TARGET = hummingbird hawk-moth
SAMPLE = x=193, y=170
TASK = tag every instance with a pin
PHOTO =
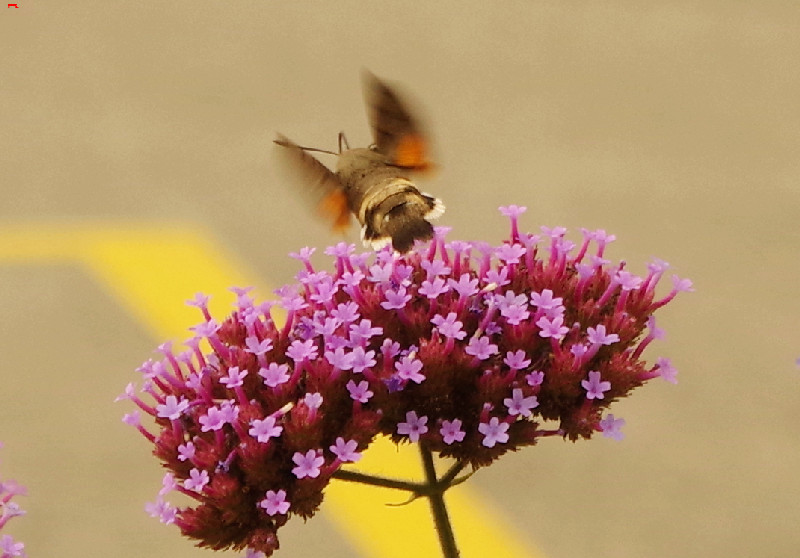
x=374, y=183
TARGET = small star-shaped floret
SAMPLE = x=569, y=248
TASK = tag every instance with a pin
x=518, y=404
x=275, y=503
x=451, y=431
x=414, y=426
x=264, y=429
x=308, y=464
x=494, y=432
x=594, y=387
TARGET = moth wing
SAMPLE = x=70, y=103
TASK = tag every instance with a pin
x=319, y=183
x=397, y=133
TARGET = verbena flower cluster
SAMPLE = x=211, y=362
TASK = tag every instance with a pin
x=468, y=348
x=9, y=548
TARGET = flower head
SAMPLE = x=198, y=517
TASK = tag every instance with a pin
x=471, y=348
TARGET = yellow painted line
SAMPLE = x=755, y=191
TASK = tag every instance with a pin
x=152, y=270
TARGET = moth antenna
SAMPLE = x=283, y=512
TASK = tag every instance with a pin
x=343, y=140
x=286, y=143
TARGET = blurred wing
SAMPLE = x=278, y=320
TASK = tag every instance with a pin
x=397, y=134
x=318, y=183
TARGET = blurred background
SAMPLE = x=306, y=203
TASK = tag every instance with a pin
x=128, y=129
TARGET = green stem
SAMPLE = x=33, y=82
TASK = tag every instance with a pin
x=354, y=476
x=452, y=473
x=433, y=489
x=441, y=520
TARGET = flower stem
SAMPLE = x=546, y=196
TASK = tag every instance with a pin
x=451, y=474
x=433, y=489
x=355, y=476
x=441, y=520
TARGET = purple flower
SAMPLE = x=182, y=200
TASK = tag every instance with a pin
x=514, y=314
x=325, y=291
x=274, y=374
x=302, y=350
x=206, y=329
x=451, y=431
x=435, y=268
x=214, y=419
x=200, y=300
x=341, y=250
x=196, y=481
x=362, y=360
x=168, y=484
x=346, y=312
x=396, y=299
x=465, y=286
x=517, y=360
x=594, y=387
x=275, y=503
x=494, y=432
x=172, y=408
x=345, y=451
x=555, y=328
x=480, y=347
x=381, y=273
x=628, y=281
x=313, y=400
x=359, y=392
x=308, y=464
x=327, y=327
x=161, y=509
x=133, y=419
x=497, y=277
x=409, y=369
x=389, y=348
x=432, y=289
x=235, y=377
x=258, y=347
x=10, y=548
x=449, y=327
x=264, y=429
x=545, y=300
x=578, y=350
x=535, y=378
x=350, y=280
x=510, y=253
x=304, y=254
x=363, y=331
x=598, y=335
x=186, y=451
x=413, y=427
x=666, y=370
x=612, y=427
x=340, y=359
x=513, y=211
x=518, y=404
x=229, y=411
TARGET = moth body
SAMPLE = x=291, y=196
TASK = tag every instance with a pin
x=374, y=184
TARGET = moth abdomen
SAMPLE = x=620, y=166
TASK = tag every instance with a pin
x=399, y=214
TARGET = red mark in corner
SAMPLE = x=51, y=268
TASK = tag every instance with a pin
x=13, y=5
